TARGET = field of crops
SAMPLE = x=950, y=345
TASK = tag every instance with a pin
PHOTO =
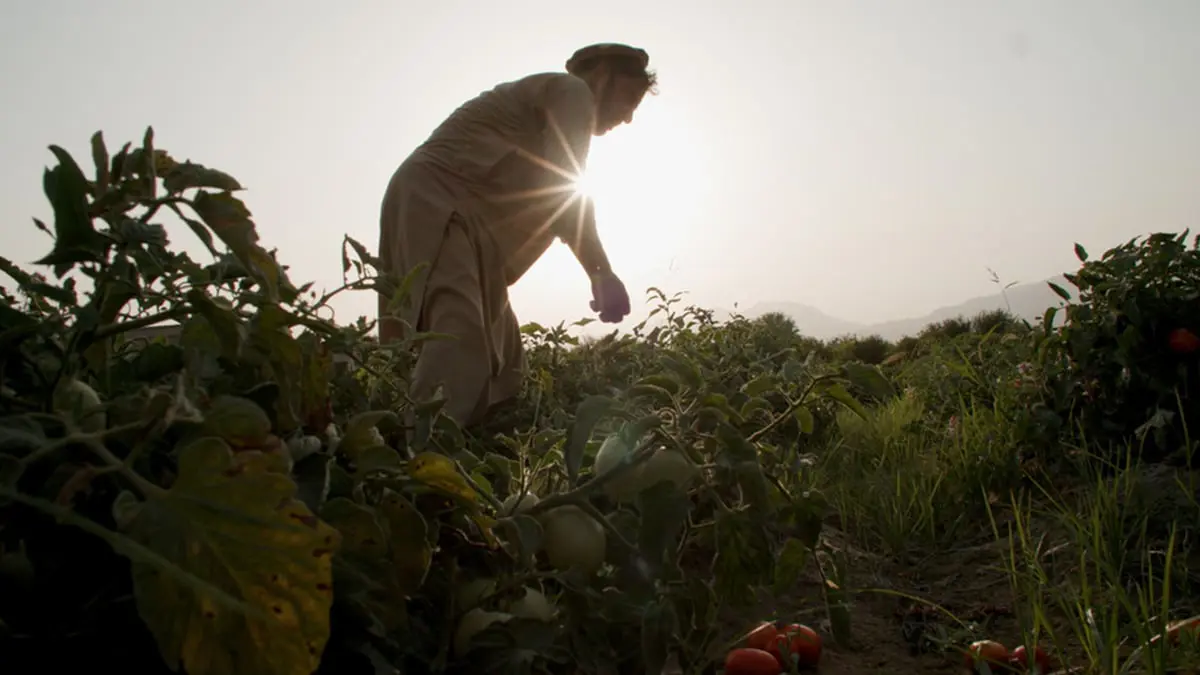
x=257, y=495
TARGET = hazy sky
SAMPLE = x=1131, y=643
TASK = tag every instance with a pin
x=868, y=157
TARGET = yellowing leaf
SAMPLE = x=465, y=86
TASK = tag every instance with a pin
x=238, y=527
x=441, y=473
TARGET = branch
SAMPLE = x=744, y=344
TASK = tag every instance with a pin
x=109, y=330
x=579, y=496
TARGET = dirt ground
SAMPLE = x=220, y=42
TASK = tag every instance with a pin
x=888, y=628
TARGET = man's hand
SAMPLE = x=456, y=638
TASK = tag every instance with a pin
x=609, y=298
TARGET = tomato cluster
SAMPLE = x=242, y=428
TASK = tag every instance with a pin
x=773, y=648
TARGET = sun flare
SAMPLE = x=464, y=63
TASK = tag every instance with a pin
x=648, y=182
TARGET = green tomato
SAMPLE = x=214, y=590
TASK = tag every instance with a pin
x=473, y=623
x=612, y=452
x=533, y=605
x=573, y=540
x=512, y=505
x=79, y=402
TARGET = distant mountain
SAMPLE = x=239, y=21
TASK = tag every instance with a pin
x=1026, y=301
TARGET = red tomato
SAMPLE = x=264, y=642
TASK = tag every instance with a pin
x=747, y=661
x=802, y=642
x=1183, y=341
x=1019, y=659
x=763, y=637
x=986, y=651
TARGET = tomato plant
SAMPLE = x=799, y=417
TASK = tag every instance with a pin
x=1115, y=360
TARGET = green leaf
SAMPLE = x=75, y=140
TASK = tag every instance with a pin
x=147, y=168
x=734, y=445
x=223, y=320
x=759, y=385
x=589, y=412
x=753, y=483
x=790, y=566
x=1081, y=253
x=838, y=393
x=870, y=379
x=804, y=419
x=409, y=541
x=11, y=469
x=526, y=532
x=75, y=238
x=311, y=474
x=665, y=510
x=239, y=421
x=837, y=602
x=688, y=372
x=188, y=175
x=658, y=631
x=100, y=158
x=377, y=458
x=365, y=576
x=661, y=381
x=229, y=219
x=362, y=533
x=633, y=432
x=754, y=405
x=1062, y=292
x=240, y=528
x=361, y=433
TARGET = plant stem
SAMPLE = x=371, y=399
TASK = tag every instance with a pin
x=112, y=329
x=144, y=486
x=607, y=525
x=792, y=407
x=579, y=495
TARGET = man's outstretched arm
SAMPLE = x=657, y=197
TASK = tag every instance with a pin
x=578, y=232
x=570, y=109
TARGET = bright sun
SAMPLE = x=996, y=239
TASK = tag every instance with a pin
x=647, y=179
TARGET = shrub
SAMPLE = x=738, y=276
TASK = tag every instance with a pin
x=1122, y=365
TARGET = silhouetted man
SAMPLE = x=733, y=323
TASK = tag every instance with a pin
x=482, y=199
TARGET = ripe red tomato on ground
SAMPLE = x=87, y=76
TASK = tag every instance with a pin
x=803, y=643
x=1019, y=659
x=762, y=637
x=986, y=651
x=1183, y=341
x=749, y=661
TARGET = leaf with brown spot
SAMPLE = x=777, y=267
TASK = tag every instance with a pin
x=240, y=528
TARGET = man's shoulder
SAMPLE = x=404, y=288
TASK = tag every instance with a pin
x=538, y=85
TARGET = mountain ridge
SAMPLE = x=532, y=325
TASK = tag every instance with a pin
x=1027, y=301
